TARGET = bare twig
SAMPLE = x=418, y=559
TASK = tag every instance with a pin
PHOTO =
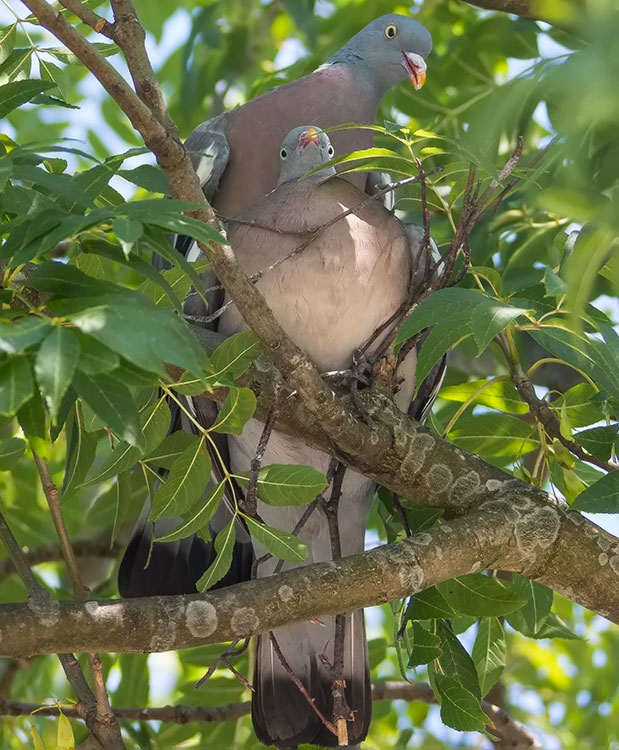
x=223, y=657
x=251, y=498
x=541, y=410
x=89, y=17
x=505, y=728
x=329, y=725
x=53, y=553
x=53, y=501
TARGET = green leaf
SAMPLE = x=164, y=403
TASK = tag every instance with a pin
x=532, y=616
x=492, y=276
x=489, y=319
x=133, y=687
x=456, y=662
x=154, y=421
x=37, y=740
x=60, y=185
x=494, y=435
x=278, y=543
x=144, y=334
x=224, y=546
x=17, y=336
x=170, y=449
x=62, y=279
x=454, y=314
x=429, y=604
x=81, y=448
x=234, y=356
x=16, y=385
x=112, y=402
x=239, y=406
x=480, y=595
x=198, y=517
x=7, y=41
x=32, y=419
x=95, y=358
x=489, y=652
x=498, y=394
x=287, y=484
x=55, y=365
x=426, y=646
x=460, y=709
x=122, y=494
x=601, y=497
x=147, y=176
x=64, y=734
x=599, y=441
x=16, y=93
x=127, y=231
x=554, y=627
x=11, y=450
x=187, y=480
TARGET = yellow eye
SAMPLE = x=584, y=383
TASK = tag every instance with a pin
x=391, y=31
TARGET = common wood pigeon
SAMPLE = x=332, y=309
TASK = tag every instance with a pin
x=329, y=299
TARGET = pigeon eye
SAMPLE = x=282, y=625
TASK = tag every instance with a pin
x=330, y=151
x=391, y=31
x=283, y=153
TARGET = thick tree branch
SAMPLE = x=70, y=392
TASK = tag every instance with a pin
x=506, y=729
x=557, y=14
x=509, y=532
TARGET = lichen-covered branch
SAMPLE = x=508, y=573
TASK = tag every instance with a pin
x=561, y=13
x=506, y=729
x=508, y=532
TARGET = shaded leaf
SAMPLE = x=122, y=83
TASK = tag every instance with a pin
x=426, y=646
x=81, y=448
x=55, y=365
x=278, y=543
x=287, y=484
x=429, y=604
x=11, y=450
x=456, y=662
x=16, y=385
x=239, y=406
x=224, y=546
x=198, y=517
x=478, y=594
x=460, y=709
x=187, y=480
x=489, y=652
x=16, y=93
x=112, y=402
x=601, y=497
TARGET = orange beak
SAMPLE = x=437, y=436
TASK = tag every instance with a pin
x=311, y=135
x=416, y=68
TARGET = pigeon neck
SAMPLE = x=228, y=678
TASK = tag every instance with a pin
x=373, y=79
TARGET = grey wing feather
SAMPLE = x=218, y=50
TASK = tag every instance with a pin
x=209, y=151
x=376, y=181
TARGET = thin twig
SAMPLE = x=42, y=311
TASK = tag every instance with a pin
x=505, y=727
x=89, y=17
x=541, y=410
x=53, y=501
x=229, y=651
x=312, y=702
x=251, y=497
x=52, y=553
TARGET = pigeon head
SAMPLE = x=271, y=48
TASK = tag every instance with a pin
x=390, y=48
x=304, y=149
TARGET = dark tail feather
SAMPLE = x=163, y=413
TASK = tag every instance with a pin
x=281, y=714
x=175, y=567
